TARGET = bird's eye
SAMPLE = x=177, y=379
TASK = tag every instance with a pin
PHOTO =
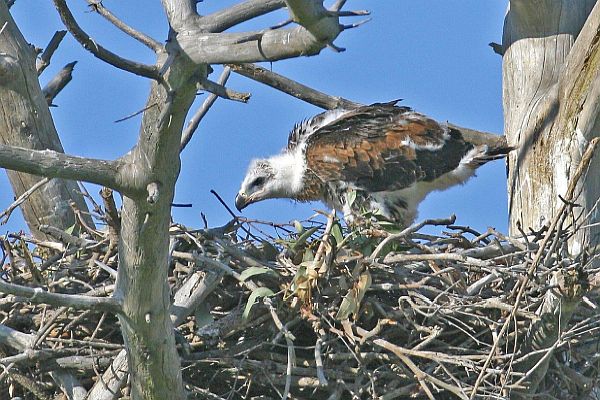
x=258, y=181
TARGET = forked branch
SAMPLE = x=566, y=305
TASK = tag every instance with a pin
x=148, y=71
x=144, y=39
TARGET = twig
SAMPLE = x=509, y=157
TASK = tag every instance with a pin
x=419, y=374
x=148, y=71
x=5, y=215
x=111, y=215
x=581, y=168
x=319, y=363
x=146, y=40
x=125, y=118
x=192, y=126
x=291, y=87
x=411, y=229
x=220, y=199
x=222, y=91
x=402, y=258
x=289, y=339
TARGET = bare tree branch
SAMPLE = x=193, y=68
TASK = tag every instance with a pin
x=222, y=91
x=292, y=87
x=28, y=124
x=319, y=28
x=193, y=123
x=44, y=60
x=5, y=215
x=22, y=341
x=312, y=16
x=113, y=379
x=58, y=83
x=40, y=296
x=15, y=339
x=148, y=71
x=53, y=164
x=146, y=40
x=231, y=16
x=181, y=14
x=270, y=45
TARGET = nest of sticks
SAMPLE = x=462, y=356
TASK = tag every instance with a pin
x=314, y=309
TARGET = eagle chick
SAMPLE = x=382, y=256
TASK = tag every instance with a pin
x=381, y=158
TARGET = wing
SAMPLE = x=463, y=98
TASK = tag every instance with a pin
x=383, y=147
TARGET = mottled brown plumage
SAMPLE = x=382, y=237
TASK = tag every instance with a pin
x=388, y=157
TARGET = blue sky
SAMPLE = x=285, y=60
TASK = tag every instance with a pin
x=433, y=54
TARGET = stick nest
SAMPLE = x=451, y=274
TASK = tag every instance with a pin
x=314, y=309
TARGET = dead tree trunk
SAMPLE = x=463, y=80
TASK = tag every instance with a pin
x=551, y=72
x=146, y=176
x=551, y=107
x=25, y=121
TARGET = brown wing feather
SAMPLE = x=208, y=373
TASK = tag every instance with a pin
x=383, y=147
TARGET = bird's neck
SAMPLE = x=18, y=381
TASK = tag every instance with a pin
x=289, y=169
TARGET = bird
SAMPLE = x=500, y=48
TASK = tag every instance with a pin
x=379, y=160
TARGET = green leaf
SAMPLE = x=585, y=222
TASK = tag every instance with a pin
x=351, y=302
x=249, y=272
x=336, y=232
x=350, y=197
x=298, y=226
x=70, y=229
x=349, y=306
x=308, y=255
x=256, y=293
x=303, y=238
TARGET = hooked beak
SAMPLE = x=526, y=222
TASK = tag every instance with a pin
x=241, y=201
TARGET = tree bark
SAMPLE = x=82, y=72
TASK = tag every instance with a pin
x=153, y=168
x=551, y=94
x=551, y=107
x=25, y=121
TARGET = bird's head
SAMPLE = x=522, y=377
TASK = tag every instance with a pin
x=276, y=177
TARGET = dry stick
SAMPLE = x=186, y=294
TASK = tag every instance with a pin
x=420, y=374
x=398, y=258
x=222, y=91
x=583, y=165
x=202, y=111
x=292, y=87
x=48, y=52
x=148, y=71
x=324, y=239
x=58, y=83
x=125, y=118
x=144, y=39
x=233, y=214
x=289, y=337
x=39, y=296
x=5, y=215
x=319, y=363
x=411, y=229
